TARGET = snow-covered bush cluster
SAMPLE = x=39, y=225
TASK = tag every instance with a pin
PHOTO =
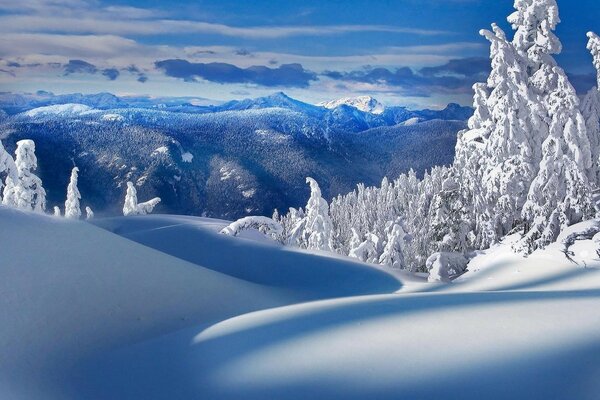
x=527, y=164
x=131, y=205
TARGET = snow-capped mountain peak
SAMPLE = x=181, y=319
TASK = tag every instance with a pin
x=362, y=103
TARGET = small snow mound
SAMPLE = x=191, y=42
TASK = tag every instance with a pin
x=444, y=266
x=362, y=103
x=187, y=157
x=58, y=109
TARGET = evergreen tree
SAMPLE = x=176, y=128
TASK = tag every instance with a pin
x=25, y=191
x=7, y=165
x=318, y=229
x=72, y=208
x=590, y=109
x=393, y=252
x=89, y=214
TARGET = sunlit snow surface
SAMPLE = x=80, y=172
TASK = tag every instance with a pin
x=163, y=307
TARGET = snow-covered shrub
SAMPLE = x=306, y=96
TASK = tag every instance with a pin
x=131, y=205
x=72, y=208
x=89, y=214
x=581, y=231
x=265, y=225
x=57, y=211
x=445, y=266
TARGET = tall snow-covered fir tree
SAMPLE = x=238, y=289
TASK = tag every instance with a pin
x=560, y=194
x=25, y=191
x=318, y=228
x=590, y=109
x=72, y=207
x=7, y=166
x=507, y=170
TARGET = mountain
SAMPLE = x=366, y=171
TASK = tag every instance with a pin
x=363, y=103
x=227, y=161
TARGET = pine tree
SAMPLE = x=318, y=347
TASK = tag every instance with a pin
x=393, y=252
x=7, y=165
x=508, y=150
x=25, y=191
x=590, y=109
x=318, y=228
x=560, y=194
x=89, y=214
x=72, y=208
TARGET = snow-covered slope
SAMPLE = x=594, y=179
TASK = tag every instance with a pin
x=512, y=328
x=70, y=291
x=363, y=103
x=88, y=313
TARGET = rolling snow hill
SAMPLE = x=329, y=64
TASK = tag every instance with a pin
x=240, y=158
x=71, y=291
x=187, y=313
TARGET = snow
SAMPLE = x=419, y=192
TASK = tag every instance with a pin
x=411, y=121
x=82, y=292
x=163, y=307
x=160, y=150
x=112, y=117
x=363, y=103
x=186, y=156
x=66, y=109
x=249, y=193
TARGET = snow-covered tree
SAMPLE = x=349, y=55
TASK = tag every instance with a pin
x=393, y=252
x=72, y=208
x=560, y=194
x=89, y=214
x=7, y=165
x=448, y=229
x=131, y=205
x=25, y=191
x=594, y=47
x=57, y=211
x=318, y=228
x=534, y=22
x=366, y=250
x=590, y=109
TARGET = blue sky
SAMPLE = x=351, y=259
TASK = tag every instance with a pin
x=409, y=52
